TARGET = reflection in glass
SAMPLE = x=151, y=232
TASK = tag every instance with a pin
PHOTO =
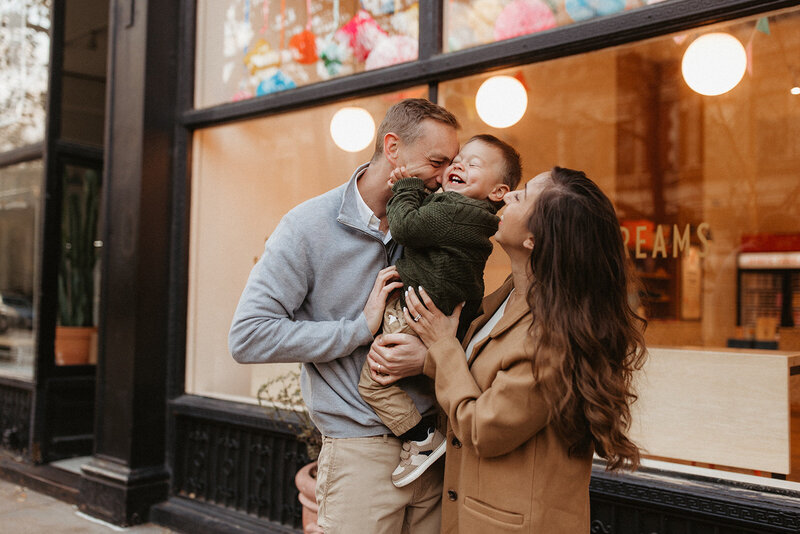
x=25, y=53
x=20, y=187
x=249, y=48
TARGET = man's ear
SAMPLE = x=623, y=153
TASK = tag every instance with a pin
x=499, y=192
x=528, y=243
x=391, y=147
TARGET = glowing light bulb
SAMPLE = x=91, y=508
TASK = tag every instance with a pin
x=352, y=129
x=714, y=63
x=501, y=101
x=795, y=90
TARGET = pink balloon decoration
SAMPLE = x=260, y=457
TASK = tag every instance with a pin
x=391, y=51
x=522, y=17
x=362, y=33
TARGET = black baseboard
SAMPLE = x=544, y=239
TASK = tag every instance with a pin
x=197, y=517
x=57, y=483
x=121, y=495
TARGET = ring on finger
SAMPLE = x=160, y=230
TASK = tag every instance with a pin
x=379, y=368
x=416, y=319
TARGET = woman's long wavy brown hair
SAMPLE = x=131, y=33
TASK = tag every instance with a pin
x=588, y=338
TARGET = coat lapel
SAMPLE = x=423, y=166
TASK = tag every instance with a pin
x=491, y=303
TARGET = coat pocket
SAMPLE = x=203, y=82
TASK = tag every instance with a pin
x=490, y=512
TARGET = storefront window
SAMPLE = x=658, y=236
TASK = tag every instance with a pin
x=20, y=187
x=249, y=48
x=246, y=176
x=469, y=24
x=24, y=60
x=708, y=196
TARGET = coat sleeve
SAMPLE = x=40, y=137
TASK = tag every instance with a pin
x=494, y=421
x=264, y=328
x=412, y=221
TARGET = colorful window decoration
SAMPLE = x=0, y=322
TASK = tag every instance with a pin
x=473, y=23
x=251, y=48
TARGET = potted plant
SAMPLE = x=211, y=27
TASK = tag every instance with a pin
x=282, y=397
x=79, y=212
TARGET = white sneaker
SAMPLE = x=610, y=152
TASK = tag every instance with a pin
x=417, y=456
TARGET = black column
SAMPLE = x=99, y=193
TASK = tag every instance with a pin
x=127, y=473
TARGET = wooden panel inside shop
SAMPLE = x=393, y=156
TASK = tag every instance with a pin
x=730, y=409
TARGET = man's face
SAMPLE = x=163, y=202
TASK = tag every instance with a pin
x=429, y=155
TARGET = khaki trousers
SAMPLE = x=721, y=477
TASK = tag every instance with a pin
x=390, y=403
x=355, y=493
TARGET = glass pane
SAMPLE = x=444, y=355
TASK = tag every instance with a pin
x=707, y=192
x=25, y=53
x=79, y=267
x=248, y=48
x=246, y=176
x=468, y=24
x=20, y=193
x=84, y=76
x=694, y=178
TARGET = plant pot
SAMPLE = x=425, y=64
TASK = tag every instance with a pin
x=73, y=344
x=306, y=482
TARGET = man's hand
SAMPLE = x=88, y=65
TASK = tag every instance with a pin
x=376, y=302
x=395, y=356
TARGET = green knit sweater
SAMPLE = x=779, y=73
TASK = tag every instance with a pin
x=446, y=243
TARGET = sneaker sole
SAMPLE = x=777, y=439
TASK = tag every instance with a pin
x=413, y=475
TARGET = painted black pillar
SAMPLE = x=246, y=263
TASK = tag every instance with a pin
x=128, y=474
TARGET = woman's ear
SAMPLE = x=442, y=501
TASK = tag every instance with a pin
x=528, y=243
x=498, y=192
x=391, y=148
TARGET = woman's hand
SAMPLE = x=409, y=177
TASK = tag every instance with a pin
x=395, y=356
x=376, y=303
x=427, y=320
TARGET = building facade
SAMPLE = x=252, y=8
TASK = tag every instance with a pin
x=149, y=149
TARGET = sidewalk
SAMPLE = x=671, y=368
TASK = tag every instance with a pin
x=26, y=512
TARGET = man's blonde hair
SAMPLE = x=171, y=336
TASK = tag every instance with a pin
x=404, y=120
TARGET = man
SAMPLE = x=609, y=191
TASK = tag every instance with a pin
x=305, y=302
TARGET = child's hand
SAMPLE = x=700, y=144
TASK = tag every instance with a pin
x=398, y=173
x=384, y=285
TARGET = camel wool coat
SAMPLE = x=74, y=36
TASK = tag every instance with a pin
x=505, y=468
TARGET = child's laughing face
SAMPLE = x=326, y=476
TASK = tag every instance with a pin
x=476, y=171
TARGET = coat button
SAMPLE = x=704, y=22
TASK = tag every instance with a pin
x=452, y=495
x=456, y=443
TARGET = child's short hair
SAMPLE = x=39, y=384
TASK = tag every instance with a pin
x=512, y=173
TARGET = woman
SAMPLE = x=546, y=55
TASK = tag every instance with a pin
x=545, y=379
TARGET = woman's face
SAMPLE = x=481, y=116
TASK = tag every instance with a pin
x=513, y=230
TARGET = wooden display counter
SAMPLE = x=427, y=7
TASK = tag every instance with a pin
x=726, y=407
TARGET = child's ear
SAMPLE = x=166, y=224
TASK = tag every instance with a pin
x=391, y=146
x=528, y=243
x=499, y=192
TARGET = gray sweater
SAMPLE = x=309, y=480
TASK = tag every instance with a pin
x=304, y=302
